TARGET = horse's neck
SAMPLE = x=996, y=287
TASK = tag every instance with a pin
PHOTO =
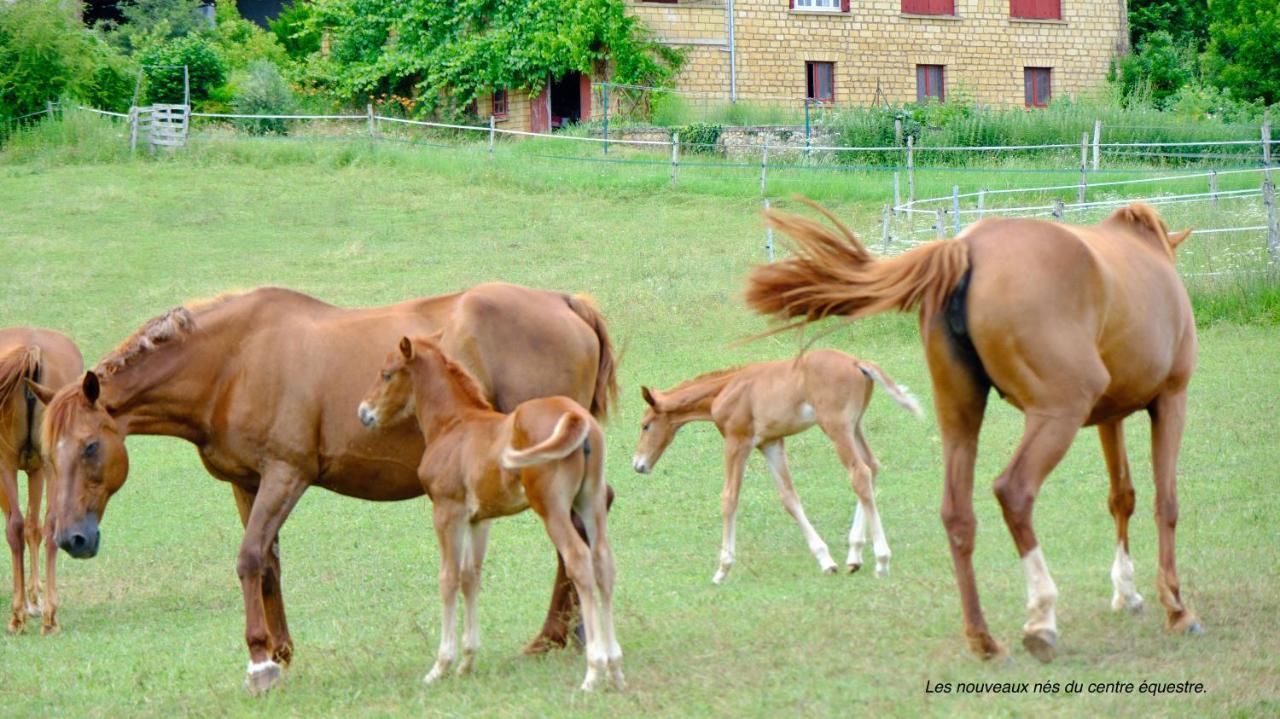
x=693, y=402
x=442, y=404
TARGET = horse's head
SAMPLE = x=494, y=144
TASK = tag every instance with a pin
x=657, y=429
x=1145, y=221
x=391, y=396
x=85, y=448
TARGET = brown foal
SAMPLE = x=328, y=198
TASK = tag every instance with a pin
x=755, y=407
x=29, y=354
x=481, y=464
x=1072, y=325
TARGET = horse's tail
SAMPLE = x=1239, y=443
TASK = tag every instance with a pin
x=898, y=392
x=569, y=434
x=605, y=394
x=831, y=273
x=20, y=363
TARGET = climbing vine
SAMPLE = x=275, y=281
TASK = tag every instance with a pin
x=444, y=53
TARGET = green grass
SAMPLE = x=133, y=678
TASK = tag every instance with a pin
x=154, y=625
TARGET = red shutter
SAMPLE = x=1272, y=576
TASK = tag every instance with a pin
x=844, y=5
x=1036, y=9
x=791, y=4
x=584, y=98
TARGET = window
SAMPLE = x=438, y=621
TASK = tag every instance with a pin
x=1039, y=87
x=499, y=103
x=820, y=81
x=1036, y=9
x=930, y=7
x=929, y=83
x=820, y=5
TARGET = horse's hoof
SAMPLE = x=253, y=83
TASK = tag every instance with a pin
x=543, y=643
x=1041, y=644
x=1134, y=604
x=18, y=623
x=49, y=630
x=882, y=572
x=262, y=677
x=829, y=569
x=283, y=655
x=986, y=648
x=853, y=567
x=1186, y=624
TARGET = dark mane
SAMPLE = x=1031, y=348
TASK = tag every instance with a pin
x=177, y=322
x=457, y=375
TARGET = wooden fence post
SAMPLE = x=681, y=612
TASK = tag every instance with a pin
x=1273, y=223
x=1058, y=210
x=897, y=192
x=982, y=202
x=368, y=108
x=764, y=168
x=884, y=231
x=1213, y=186
x=492, y=134
x=675, y=157
x=1097, y=142
x=897, y=132
x=940, y=224
x=1084, y=168
x=911, y=170
x=768, y=233
x=955, y=209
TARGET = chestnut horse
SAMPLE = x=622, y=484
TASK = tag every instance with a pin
x=1075, y=326
x=39, y=355
x=758, y=405
x=225, y=376
x=481, y=464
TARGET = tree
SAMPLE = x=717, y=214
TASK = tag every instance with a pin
x=1186, y=21
x=1244, y=48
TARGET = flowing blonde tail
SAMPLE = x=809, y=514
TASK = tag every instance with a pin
x=831, y=273
x=569, y=434
x=898, y=392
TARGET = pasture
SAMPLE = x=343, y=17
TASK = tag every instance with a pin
x=154, y=625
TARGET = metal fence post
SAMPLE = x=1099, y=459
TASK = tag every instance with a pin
x=768, y=233
x=955, y=209
x=911, y=170
x=884, y=231
x=604, y=100
x=764, y=168
x=675, y=157
x=1084, y=168
x=1097, y=142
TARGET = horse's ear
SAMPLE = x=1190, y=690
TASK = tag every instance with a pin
x=406, y=347
x=39, y=391
x=1176, y=238
x=648, y=397
x=91, y=387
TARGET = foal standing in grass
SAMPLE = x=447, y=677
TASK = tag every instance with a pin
x=480, y=464
x=756, y=406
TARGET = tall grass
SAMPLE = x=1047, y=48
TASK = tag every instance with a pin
x=1239, y=299
x=71, y=137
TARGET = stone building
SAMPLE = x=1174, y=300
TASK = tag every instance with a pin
x=1009, y=52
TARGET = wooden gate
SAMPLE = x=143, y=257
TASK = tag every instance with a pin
x=160, y=125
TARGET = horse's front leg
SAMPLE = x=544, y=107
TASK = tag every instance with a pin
x=1168, y=417
x=472, y=565
x=776, y=455
x=13, y=533
x=272, y=598
x=450, y=520
x=736, y=451
x=34, y=535
x=279, y=489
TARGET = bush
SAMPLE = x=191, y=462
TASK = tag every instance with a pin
x=1157, y=70
x=148, y=23
x=204, y=65
x=294, y=30
x=240, y=42
x=263, y=91
x=46, y=53
x=71, y=137
x=700, y=137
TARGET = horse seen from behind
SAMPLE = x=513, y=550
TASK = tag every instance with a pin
x=481, y=464
x=756, y=407
x=1073, y=325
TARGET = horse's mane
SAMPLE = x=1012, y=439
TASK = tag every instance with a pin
x=158, y=331
x=60, y=412
x=706, y=377
x=712, y=381
x=457, y=375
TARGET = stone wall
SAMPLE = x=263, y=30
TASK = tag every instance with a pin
x=983, y=49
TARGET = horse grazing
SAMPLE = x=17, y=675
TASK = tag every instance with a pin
x=481, y=464
x=225, y=376
x=38, y=355
x=758, y=405
x=1075, y=326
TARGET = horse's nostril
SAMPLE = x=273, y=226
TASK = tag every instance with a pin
x=78, y=541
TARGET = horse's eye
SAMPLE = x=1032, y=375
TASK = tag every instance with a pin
x=386, y=376
x=91, y=449
x=644, y=427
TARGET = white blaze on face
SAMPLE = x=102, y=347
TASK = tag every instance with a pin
x=1042, y=594
x=1126, y=592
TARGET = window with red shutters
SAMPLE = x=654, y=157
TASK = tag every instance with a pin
x=820, y=81
x=1036, y=9
x=500, y=103
x=929, y=7
x=930, y=83
x=1039, y=87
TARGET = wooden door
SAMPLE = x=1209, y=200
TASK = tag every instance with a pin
x=540, y=111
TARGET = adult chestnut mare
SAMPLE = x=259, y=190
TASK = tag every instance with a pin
x=29, y=353
x=225, y=375
x=1075, y=326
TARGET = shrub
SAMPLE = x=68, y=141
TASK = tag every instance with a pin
x=700, y=137
x=204, y=65
x=240, y=42
x=1157, y=70
x=148, y=23
x=263, y=91
x=44, y=54
x=294, y=31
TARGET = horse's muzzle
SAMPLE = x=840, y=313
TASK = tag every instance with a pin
x=80, y=540
x=640, y=465
x=367, y=416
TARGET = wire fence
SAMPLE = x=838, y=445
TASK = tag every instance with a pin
x=1237, y=201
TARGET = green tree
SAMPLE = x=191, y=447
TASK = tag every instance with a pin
x=205, y=69
x=148, y=23
x=1157, y=69
x=449, y=52
x=1244, y=48
x=1186, y=21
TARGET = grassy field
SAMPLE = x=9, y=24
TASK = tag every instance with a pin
x=154, y=625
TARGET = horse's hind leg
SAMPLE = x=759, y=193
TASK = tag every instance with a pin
x=858, y=529
x=472, y=563
x=840, y=431
x=776, y=455
x=451, y=533
x=1121, y=503
x=591, y=508
x=34, y=535
x=1045, y=440
x=13, y=532
x=578, y=565
x=1168, y=416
